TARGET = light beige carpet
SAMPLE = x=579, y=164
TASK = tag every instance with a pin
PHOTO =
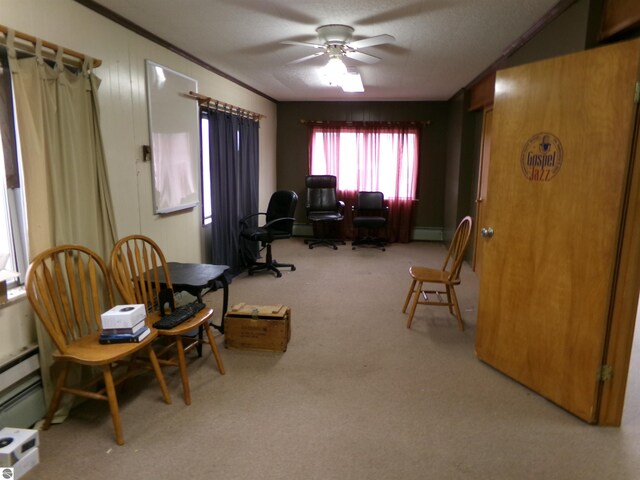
x=356, y=395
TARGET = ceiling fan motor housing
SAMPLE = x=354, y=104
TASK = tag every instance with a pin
x=334, y=34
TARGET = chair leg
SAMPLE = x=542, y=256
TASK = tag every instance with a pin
x=415, y=304
x=159, y=376
x=406, y=302
x=182, y=363
x=214, y=349
x=457, y=309
x=270, y=264
x=323, y=241
x=113, y=403
x=450, y=299
x=57, y=396
x=323, y=235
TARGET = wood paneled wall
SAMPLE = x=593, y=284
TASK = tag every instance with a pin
x=619, y=16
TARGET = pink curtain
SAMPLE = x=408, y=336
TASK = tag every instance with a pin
x=370, y=157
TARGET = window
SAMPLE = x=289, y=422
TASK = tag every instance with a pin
x=13, y=251
x=380, y=158
x=206, y=170
x=370, y=156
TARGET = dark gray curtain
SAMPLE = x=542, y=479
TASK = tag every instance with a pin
x=233, y=144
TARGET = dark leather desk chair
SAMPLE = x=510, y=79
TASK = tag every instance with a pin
x=279, y=225
x=323, y=209
x=369, y=214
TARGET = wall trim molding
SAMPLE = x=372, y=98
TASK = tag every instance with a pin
x=429, y=234
x=128, y=24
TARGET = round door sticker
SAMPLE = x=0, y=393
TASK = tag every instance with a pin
x=541, y=157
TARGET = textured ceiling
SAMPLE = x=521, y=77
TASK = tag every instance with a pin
x=441, y=45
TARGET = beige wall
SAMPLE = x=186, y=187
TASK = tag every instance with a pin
x=124, y=118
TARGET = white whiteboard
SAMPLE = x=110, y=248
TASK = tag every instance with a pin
x=175, y=139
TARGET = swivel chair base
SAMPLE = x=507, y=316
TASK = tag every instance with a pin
x=270, y=264
x=369, y=241
x=312, y=242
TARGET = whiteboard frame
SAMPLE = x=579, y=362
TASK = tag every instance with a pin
x=174, y=135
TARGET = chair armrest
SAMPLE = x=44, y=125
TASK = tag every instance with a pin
x=276, y=220
x=340, y=206
x=243, y=220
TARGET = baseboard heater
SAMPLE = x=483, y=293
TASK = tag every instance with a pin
x=21, y=393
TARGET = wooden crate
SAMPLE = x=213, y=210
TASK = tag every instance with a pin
x=258, y=327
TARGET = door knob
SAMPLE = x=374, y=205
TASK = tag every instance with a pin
x=487, y=232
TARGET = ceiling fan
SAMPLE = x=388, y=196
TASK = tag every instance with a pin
x=336, y=43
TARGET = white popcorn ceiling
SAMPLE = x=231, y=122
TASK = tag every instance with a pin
x=441, y=45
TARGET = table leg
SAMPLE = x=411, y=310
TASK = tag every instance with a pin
x=225, y=303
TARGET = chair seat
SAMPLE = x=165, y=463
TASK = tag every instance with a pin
x=369, y=222
x=325, y=217
x=257, y=234
x=89, y=351
x=426, y=274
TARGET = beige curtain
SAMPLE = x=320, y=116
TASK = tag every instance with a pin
x=65, y=180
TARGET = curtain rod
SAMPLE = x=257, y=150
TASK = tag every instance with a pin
x=80, y=57
x=366, y=122
x=226, y=107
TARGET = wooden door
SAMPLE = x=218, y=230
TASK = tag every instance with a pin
x=483, y=179
x=560, y=159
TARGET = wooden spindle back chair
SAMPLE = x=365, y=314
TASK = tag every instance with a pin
x=136, y=263
x=69, y=288
x=448, y=276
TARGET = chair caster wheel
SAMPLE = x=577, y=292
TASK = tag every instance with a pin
x=293, y=269
x=310, y=247
x=384, y=249
x=353, y=248
x=335, y=248
x=278, y=275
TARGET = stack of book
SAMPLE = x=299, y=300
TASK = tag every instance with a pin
x=137, y=333
x=124, y=324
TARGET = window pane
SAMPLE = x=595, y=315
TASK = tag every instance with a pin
x=7, y=257
x=362, y=160
x=206, y=171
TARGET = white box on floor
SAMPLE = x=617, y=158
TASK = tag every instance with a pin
x=26, y=463
x=15, y=444
x=123, y=316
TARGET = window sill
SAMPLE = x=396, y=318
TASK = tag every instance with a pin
x=14, y=295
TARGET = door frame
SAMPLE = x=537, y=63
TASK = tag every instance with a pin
x=483, y=178
x=624, y=305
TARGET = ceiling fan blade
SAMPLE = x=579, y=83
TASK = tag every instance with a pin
x=363, y=57
x=372, y=41
x=303, y=44
x=304, y=59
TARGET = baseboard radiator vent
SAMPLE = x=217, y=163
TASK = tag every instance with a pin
x=21, y=393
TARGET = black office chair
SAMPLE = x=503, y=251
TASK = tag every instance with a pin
x=279, y=225
x=369, y=214
x=323, y=209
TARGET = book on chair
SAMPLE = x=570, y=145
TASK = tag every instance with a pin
x=107, y=337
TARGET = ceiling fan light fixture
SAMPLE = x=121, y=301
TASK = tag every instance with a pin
x=352, y=82
x=334, y=70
